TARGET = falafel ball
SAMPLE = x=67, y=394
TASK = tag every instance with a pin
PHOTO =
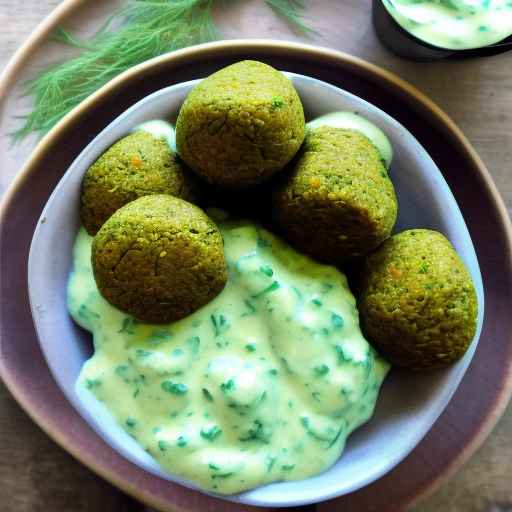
x=418, y=303
x=135, y=166
x=338, y=202
x=240, y=125
x=159, y=258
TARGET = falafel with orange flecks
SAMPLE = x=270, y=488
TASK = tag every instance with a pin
x=137, y=165
x=159, y=258
x=417, y=301
x=337, y=202
x=240, y=125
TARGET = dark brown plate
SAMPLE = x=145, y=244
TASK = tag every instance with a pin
x=486, y=387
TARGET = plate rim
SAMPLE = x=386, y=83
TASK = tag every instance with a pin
x=276, y=48
x=245, y=497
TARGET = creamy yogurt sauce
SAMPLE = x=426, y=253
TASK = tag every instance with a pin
x=352, y=121
x=263, y=384
x=161, y=129
x=454, y=24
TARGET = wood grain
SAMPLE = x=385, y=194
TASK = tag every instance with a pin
x=36, y=475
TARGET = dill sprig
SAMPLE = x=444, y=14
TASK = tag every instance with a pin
x=143, y=29
x=292, y=11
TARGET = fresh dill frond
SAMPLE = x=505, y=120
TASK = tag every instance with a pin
x=143, y=29
x=147, y=28
x=292, y=11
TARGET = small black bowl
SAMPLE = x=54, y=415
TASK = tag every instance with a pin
x=404, y=44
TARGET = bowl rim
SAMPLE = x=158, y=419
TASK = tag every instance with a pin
x=274, y=47
x=78, y=167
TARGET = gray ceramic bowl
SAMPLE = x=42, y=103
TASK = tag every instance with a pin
x=409, y=404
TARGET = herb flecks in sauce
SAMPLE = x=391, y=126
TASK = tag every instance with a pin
x=292, y=378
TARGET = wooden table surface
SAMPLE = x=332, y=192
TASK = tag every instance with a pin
x=36, y=475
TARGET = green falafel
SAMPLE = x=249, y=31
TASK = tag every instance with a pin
x=337, y=203
x=159, y=258
x=240, y=125
x=418, y=303
x=135, y=166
